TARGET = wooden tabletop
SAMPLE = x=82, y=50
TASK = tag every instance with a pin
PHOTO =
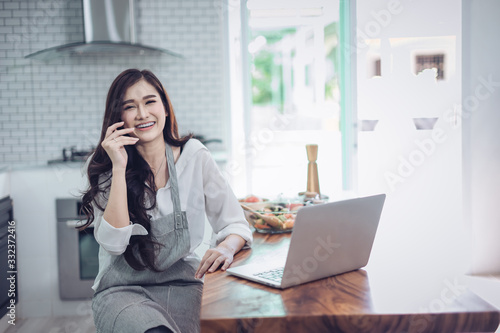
x=378, y=298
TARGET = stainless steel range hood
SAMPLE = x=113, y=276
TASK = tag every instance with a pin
x=109, y=30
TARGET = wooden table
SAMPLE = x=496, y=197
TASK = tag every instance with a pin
x=378, y=298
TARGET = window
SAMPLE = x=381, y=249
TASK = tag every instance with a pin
x=293, y=55
x=433, y=61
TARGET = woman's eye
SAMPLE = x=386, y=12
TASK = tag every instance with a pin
x=150, y=102
x=128, y=107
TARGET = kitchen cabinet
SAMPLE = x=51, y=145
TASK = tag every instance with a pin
x=8, y=281
x=34, y=191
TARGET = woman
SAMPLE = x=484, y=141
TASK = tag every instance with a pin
x=149, y=192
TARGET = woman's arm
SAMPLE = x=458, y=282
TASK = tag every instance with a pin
x=116, y=211
x=114, y=237
x=225, y=216
x=223, y=255
x=112, y=227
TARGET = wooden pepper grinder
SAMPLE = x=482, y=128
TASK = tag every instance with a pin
x=312, y=169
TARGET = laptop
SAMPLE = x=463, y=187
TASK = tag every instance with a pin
x=327, y=240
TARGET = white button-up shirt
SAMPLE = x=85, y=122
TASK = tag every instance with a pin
x=204, y=193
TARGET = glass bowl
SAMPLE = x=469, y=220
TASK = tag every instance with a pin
x=272, y=217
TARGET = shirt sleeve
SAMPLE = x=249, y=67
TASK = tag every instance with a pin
x=114, y=240
x=221, y=205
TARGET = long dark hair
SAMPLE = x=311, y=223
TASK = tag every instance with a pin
x=141, y=189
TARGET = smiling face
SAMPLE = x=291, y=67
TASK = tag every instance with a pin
x=143, y=110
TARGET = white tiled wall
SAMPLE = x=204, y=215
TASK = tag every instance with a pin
x=46, y=106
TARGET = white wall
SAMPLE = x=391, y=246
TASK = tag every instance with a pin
x=420, y=170
x=481, y=131
x=4, y=183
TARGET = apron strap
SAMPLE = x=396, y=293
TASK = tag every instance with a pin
x=174, y=187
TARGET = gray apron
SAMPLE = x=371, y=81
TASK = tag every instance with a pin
x=134, y=301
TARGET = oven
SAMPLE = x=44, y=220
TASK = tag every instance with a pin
x=78, y=252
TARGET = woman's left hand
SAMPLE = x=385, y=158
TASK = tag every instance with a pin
x=221, y=255
x=213, y=258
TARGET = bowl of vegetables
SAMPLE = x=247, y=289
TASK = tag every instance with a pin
x=270, y=217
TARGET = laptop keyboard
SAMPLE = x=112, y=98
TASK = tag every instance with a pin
x=275, y=274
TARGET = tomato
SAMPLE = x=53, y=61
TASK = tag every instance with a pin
x=295, y=206
x=253, y=198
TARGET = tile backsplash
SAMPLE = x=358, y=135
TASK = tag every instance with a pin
x=46, y=106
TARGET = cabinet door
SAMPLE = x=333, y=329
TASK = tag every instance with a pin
x=5, y=285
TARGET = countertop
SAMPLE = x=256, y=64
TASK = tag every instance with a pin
x=383, y=297
x=219, y=157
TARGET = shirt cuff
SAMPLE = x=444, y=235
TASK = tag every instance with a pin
x=115, y=240
x=241, y=230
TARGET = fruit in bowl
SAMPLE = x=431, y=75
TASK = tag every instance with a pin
x=271, y=217
x=253, y=198
x=254, y=202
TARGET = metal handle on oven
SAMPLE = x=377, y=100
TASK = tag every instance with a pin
x=76, y=223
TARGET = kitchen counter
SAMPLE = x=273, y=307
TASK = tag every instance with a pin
x=383, y=297
x=39, y=165
x=34, y=190
x=218, y=156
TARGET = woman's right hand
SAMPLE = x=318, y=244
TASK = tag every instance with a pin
x=114, y=143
